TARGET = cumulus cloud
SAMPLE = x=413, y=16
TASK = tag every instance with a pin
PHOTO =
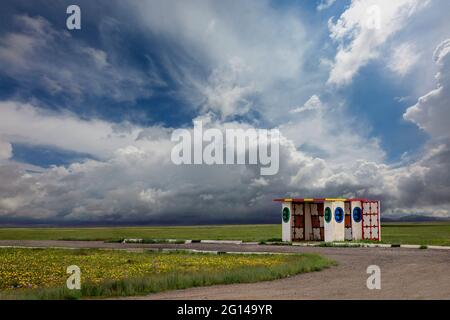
x=425, y=184
x=404, y=57
x=136, y=180
x=432, y=111
x=362, y=29
x=24, y=123
x=139, y=183
x=326, y=131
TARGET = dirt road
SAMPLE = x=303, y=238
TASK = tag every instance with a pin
x=405, y=273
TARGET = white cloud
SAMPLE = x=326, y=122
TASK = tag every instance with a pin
x=5, y=150
x=403, y=58
x=362, y=29
x=259, y=182
x=424, y=185
x=23, y=123
x=100, y=57
x=243, y=50
x=432, y=111
x=206, y=197
x=136, y=181
x=153, y=196
x=329, y=133
x=325, y=4
x=226, y=94
x=313, y=103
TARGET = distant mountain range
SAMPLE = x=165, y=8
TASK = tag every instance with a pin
x=414, y=218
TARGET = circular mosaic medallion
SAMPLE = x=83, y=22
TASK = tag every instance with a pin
x=286, y=215
x=357, y=214
x=328, y=214
x=339, y=215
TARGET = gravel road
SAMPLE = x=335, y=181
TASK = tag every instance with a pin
x=405, y=273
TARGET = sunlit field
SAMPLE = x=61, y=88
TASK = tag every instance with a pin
x=41, y=273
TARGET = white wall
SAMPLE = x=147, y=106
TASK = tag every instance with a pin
x=334, y=231
x=339, y=228
x=287, y=226
x=357, y=227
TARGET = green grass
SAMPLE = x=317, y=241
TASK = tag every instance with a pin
x=40, y=273
x=226, y=232
x=417, y=233
x=398, y=233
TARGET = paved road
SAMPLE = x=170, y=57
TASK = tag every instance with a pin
x=405, y=273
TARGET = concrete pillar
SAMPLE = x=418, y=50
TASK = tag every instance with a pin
x=286, y=217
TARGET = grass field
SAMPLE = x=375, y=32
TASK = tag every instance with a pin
x=435, y=233
x=397, y=233
x=41, y=273
x=225, y=232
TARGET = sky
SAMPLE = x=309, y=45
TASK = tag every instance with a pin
x=359, y=90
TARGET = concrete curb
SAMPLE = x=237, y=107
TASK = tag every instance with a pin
x=220, y=241
x=410, y=246
x=377, y=245
x=372, y=245
x=335, y=244
x=438, y=248
x=299, y=244
x=156, y=241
